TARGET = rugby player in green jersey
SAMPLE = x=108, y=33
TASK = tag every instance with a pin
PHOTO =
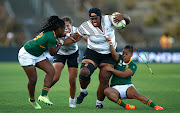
x=32, y=55
x=121, y=85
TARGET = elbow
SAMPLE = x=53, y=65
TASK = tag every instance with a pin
x=124, y=76
x=52, y=54
x=127, y=19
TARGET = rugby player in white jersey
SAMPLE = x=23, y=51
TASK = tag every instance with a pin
x=67, y=53
x=97, y=53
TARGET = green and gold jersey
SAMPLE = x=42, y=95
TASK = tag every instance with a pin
x=41, y=43
x=116, y=80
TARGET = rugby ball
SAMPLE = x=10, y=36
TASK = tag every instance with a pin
x=119, y=25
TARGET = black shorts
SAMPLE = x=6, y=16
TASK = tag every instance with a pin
x=72, y=60
x=98, y=58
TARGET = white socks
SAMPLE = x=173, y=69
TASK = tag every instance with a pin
x=71, y=100
x=99, y=102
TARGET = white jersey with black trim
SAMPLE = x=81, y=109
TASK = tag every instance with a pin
x=96, y=37
x=69, y=49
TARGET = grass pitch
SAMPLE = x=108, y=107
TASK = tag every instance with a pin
x=162, y=88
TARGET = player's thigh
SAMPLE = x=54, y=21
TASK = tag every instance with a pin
x=31, y=73
x=73, y=60
x=46, y=66
x=58, y=66
x=104, y=75
x=111, y=91
x=60, y=59
x=132, y=92
x=91, y=56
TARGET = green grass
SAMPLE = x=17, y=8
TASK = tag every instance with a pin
x=162, y=87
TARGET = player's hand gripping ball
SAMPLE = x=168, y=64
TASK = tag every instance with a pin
x=118, y=25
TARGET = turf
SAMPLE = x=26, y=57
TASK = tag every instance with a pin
x=162, y=87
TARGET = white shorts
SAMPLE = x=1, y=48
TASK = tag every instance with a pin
x=26, y=59
x=122, y=90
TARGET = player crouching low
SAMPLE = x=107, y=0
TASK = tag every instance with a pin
x=121, y=85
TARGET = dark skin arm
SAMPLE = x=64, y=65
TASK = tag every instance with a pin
x=122, y=74
x=119, y=17
x=75, y=37
x=115, y=55
x=55, y=49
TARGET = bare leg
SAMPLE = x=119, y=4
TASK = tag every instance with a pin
x=84, y=72
x=58, y=68
x=46, y=66
x=104, y=77
x=111, y=94
x=32, y=76
x=132, y=93
x=72, y=81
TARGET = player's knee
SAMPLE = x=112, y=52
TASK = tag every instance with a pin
x=84, y=72
x=32, y=81
x=55, y=79
x=72, y=82
x=136, y=96
x=51, y=72
x=107, y=91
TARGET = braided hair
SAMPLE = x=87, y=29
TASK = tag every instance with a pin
x=52, y=23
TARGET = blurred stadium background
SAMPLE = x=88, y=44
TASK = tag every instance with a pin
x=20, y=19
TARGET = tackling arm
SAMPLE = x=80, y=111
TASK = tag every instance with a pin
x=122, y=74
x=115, y=55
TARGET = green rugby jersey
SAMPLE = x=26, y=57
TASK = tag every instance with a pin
x=41, y=43
x=116, y=80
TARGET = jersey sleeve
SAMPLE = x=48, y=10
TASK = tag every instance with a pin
x=51, y=40
x=133, y=67
x=82, y=29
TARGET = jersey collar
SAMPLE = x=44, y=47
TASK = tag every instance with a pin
x=54, y=34
x=127, y=63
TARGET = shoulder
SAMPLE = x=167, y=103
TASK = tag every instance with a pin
x=133, y=64
x=106, y=20
x=74, y=29
x=50, y=34
x=85, y=23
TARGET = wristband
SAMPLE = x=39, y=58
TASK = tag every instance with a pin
x=68, y=34
x=110, y=43
x=61, y=42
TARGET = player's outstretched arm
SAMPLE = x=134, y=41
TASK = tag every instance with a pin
x=115, y=55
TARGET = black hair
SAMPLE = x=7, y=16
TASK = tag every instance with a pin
x=52, y=23
x=130, y=48
x=67, y=19
x=97, y=11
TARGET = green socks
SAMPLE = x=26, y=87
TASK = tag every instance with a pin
x=45, y=90
x=151, y=103
x=121, y=103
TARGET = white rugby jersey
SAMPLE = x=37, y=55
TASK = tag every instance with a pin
x=96, y=37
x=71, y=48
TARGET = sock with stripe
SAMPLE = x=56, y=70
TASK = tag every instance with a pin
x=121, y=103
x=84, y=90
x=45, y=90
x=32, y=99
x=151, y=103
